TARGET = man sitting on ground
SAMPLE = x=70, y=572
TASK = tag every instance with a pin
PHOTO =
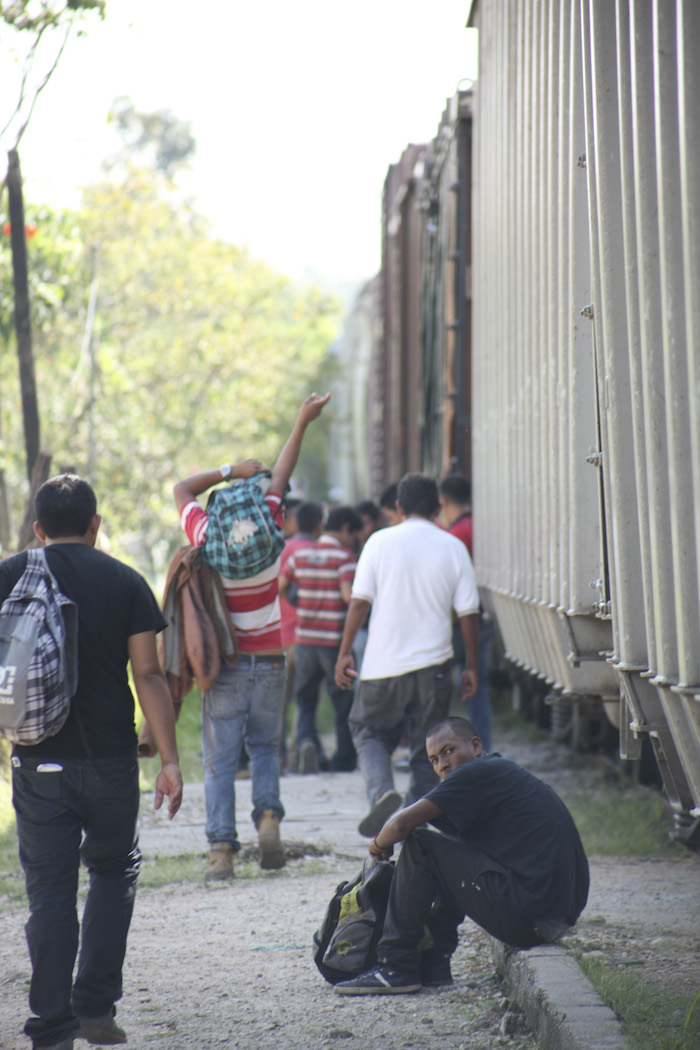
x=507, y=854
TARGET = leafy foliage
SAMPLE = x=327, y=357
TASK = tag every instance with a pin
x=161, y=133
x=202, y=354
x=37, y=15
x=32, y=24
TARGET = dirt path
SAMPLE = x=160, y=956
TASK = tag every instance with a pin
x=231, y=965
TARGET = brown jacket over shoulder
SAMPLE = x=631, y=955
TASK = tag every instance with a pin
x=200, y=634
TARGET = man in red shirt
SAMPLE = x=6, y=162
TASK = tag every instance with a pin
x=309, y=525
x=245, y=704
x=323, y=575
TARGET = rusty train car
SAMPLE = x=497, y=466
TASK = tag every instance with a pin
x=536, y=323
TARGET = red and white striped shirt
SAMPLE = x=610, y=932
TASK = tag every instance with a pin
x=318, y=570
x=253, y=603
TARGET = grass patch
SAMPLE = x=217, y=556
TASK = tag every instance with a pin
x=652, y=1019
x=163, y=871
x=618, y=822
x=189, y=743
x=159, y=872
x=614, y=816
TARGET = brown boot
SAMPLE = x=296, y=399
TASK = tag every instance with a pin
x=271, y=849
x=220, y=862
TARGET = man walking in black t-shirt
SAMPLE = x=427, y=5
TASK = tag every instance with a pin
x=76, y=794
x=507, y=854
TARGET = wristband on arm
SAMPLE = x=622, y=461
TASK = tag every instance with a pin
x=378, y=851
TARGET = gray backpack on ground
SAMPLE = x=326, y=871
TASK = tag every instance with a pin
x=38, y=655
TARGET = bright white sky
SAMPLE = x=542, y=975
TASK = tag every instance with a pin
x=298, y=108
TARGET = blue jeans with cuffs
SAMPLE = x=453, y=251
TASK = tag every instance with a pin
x=244, y=707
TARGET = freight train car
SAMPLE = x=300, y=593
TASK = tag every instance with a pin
x=537, y=324
x=586, y=358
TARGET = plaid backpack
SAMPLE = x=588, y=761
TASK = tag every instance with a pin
x=242, y=538
x=346, y=943
x=38, y=655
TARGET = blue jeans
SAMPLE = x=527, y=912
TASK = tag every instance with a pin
x=314, y=664
x=54, y=809
x=245, y=706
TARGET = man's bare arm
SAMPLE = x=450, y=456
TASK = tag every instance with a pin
x=285, y=585
x=310, y=409
x=400, y=825
x=345, y=587
x=469, y=626
x=357, y=614
x=157, y=706
x=189, y=488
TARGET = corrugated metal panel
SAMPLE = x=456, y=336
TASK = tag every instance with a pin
x=534, y=410
x=586, y=375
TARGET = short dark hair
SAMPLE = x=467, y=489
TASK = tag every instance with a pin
x=388, y=496
x=343, y=515
x=457, y=488
x=367, y=509
x=309, y=516
x=65, y=506
x=461, y=727
x=418, y=494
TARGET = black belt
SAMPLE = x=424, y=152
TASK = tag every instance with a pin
x=253, y=658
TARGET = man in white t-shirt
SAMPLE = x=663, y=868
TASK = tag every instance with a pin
x=413, y=577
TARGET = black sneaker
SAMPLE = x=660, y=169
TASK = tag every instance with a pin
x=435, y=968
x=380, y=981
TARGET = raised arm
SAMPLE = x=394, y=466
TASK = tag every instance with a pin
x=189, y=488
x=310, y=409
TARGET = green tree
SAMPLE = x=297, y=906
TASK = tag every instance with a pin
x=159, y=135
x=35, y=36
x=202, y=354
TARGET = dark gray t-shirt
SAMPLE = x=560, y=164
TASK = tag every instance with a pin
x=114, y=602
x=522, y=824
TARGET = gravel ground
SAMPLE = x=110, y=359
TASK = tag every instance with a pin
x=230, y=965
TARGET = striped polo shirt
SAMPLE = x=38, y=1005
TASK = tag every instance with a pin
x=318, y=570
x=253, y=603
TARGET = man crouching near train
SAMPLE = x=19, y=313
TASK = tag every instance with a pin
x=507, y=854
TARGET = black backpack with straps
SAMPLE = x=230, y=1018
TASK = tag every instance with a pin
x=345, y=944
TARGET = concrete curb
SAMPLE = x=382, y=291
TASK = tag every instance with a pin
x=561, y=1005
